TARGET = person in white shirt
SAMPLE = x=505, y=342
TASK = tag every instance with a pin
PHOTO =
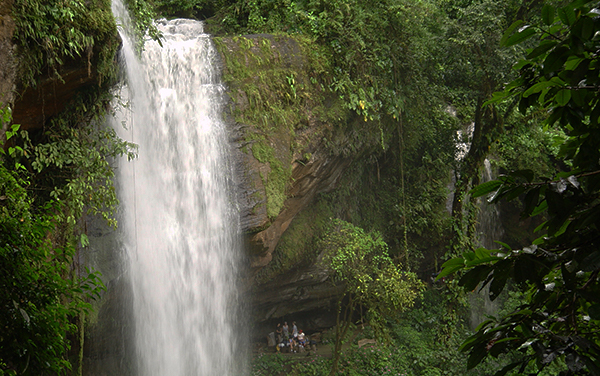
x=301, y=338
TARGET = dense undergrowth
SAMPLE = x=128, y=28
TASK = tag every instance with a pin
x=49, y=182
x=49, y=179
x=423, y=341
x=394, y=80
x=419, y=344
x=42, y=293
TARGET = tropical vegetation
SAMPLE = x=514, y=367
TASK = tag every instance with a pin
x=557, y=322
x=421, y=95
x=49, y=180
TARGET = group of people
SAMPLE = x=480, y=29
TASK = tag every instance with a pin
x=294, y=341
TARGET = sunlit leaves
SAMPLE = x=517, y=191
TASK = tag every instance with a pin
x=361, y=262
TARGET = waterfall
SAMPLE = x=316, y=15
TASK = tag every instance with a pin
x=489, y=230
x=179, y=223
x=489, y=225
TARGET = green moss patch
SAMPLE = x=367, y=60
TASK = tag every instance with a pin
x=277, y=90
x=297, y=246
x=50, y=33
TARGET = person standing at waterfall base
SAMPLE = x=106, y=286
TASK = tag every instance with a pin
x=286, y=331
x=294, y=330
x=278, y=332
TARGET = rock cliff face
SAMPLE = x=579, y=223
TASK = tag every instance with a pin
x=34, y=106
x=282, y=119
x=8, y=69
x=262, y=73
x=319, y=174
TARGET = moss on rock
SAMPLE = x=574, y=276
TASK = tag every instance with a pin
x=277, y=93
x=50, y=33
x=297, y=246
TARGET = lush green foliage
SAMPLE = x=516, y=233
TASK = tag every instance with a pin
x=52, y=33
x=48, y=181
x=142, y=14
x=44, y=292
x=267, y=364
x=472, y=75
x=559, y=321
x=199, y=9
x=372, y=49
x=75, y=154
x=41, y=292
x=375, y=82
x=394, y=66
x=382, y=74
x=527, y=146
x=360, y=262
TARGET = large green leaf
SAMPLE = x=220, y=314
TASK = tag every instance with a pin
x=538, y=87
x=563, y=97
x=592, y=262
x=485, y=188
x=521, y=35
x=594, y=312
x=548, y=14
x=508, y=367
x=510, y=31
x=527, y=174
x=502, y=271
x=476, y=356
x=498, y=96
x=480, y=256
x=451, y=266
x=540, y=208
x=473, y=277
x=542, y=48
x=567, y=15
x=556, y=59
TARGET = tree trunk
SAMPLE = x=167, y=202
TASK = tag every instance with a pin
x=487, y=125
x=341, y=329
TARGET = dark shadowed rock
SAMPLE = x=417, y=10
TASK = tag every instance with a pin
x=255, y=63
x=8, y=69
x=304, y=295
x=35, y=105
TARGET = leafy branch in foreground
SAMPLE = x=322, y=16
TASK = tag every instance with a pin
x=559, y=322
x=41, y=293
x=360, y=262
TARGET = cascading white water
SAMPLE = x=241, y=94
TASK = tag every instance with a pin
x=489, y=230
x=181, y=231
